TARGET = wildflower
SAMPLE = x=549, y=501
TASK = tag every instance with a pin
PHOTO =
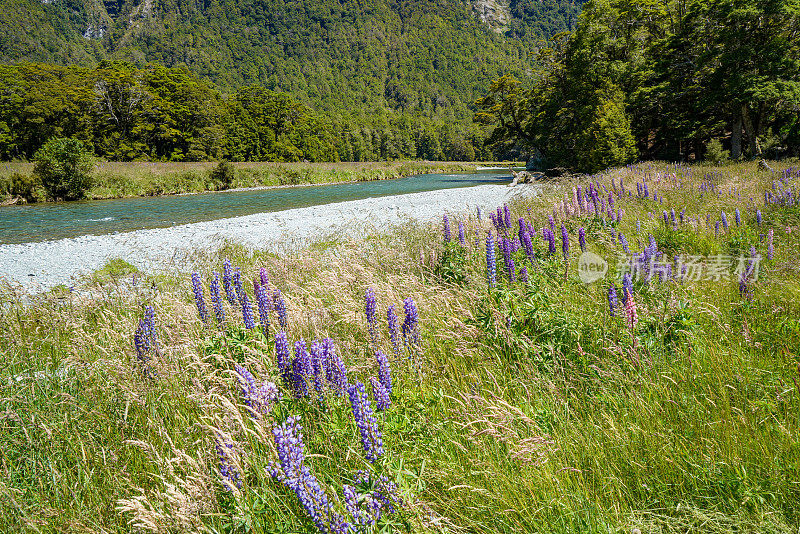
x=613, y=301
x=371, y=437
x=318, y=366
x=369, y=299
x=758, y=217
x=770, y=247
x=624, y=243
x=630, y=312
x=564, y=242
x=462, y=234
x=506, y=216
x=231, y=478
x=295, y=475
x=262, y=299
x=446, y=220
x=724, y=221
x=216, y=299
x=528, y=245
x=716, y=229
x=258, y=397
x=394, y=330
x=627, y=286
x=336, y=372
x=491, y=266
x=384, y=372
x=247, y=312
x=582, y=238
x=282, y=353
x=411, y=323
x=301, y=368
x=199, y=299
x=280, y=308
x=382, y=398
x=523, y=275
x=738, y=217
x=227, y=275
x=505, y=246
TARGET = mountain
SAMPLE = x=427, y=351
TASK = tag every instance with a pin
x=414, y=55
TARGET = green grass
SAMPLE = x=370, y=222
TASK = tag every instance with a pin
x=136, y=179
x=532, y=410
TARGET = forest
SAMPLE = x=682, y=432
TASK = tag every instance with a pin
x=674, y=80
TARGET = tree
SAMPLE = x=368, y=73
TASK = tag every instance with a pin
x=64, y=166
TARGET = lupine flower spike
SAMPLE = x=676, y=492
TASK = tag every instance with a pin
x=216, y=299
x=199, y=299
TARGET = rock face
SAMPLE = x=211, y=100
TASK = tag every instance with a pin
x=494, y=13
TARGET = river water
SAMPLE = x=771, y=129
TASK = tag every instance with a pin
x=49, y=221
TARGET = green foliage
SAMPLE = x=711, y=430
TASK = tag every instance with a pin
x=452, y=266
x=680, y=75
x=715, y=153
x=223, y=175
x=64, y=167
x=24, y=186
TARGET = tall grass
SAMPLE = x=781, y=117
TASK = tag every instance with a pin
x=528, y=407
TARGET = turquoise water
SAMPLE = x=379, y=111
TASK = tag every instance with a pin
x=43, y=222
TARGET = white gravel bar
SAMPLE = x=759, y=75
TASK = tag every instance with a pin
x=42, y=265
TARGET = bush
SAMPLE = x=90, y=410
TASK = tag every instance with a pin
x=64, y=166
x=715, y=153
x=23, y=186
x=223, y=174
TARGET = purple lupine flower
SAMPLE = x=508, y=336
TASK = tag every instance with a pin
x=280, y=309
x=231, y=478
x=371, y=437
x=551, y=241
x=199, y=299
x=382, y=398
x=582, y=238
x=318, y=365
x=237, y=284
x=394, y=330
x=247, y=312
x=738, y=217
x=411, y=323
x=758, y=217
x=724, y=221
x=446, y=220
x=627, y=286
x=624, y=243
x=552, y=223
x=335, y=366
x=666, y=219
x=282, y=353
x=682, y=214
x=301, y=368
x=262, y=299
x=265, y=284
x=716, y=229
x=528, y=245
x=564, y=242
x=523, y=274
x=480, y=215
x=296, y=476
x=672, y=216
x=258, y=397
x=506, y=216
x=370, y=306
x=384, y=372
x=613, y=300
x=216, y=299
x=491, y=266
x=226, y=281
x=462, y=238
x=505, y=247
x=770, y=247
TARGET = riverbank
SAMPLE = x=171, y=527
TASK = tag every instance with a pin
x=146, y=179
x=43, y=265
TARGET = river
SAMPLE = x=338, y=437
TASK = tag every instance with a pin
x=50, y=221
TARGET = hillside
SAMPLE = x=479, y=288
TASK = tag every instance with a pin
x=431, y=57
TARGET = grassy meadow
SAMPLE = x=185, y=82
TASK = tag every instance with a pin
x=529, y=405
x=141, y=179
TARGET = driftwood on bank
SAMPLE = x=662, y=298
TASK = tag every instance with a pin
x=525, y=177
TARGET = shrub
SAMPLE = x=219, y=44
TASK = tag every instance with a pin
x=22, y=185
x=715, y=153
x=223, y=174
x=64, y=166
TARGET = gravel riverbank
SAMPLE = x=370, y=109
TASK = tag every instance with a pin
x=43, y=265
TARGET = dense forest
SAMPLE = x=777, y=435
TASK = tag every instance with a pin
x=377, y=80
x=658, y=79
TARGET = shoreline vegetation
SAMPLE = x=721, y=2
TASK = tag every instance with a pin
x=143, y=179
x=448, y=377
